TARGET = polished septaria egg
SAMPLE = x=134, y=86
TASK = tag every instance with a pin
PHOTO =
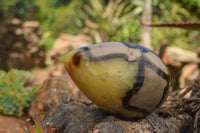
x=122, y=78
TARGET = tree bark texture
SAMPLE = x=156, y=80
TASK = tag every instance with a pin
x=146, y=18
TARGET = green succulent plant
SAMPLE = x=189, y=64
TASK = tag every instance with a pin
x=113, y=20
x=15, y=97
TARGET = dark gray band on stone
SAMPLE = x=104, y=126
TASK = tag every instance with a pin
x=143, y=61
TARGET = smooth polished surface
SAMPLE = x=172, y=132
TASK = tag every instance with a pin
x=122, y=78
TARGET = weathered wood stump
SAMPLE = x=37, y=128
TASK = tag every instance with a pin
x=179, y=114
x=78, y=116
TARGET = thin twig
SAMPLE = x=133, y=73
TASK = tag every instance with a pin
x=195, y=127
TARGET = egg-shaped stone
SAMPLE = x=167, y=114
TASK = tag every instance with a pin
x=122, y=78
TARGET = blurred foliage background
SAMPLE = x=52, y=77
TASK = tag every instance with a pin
x=106, y=20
